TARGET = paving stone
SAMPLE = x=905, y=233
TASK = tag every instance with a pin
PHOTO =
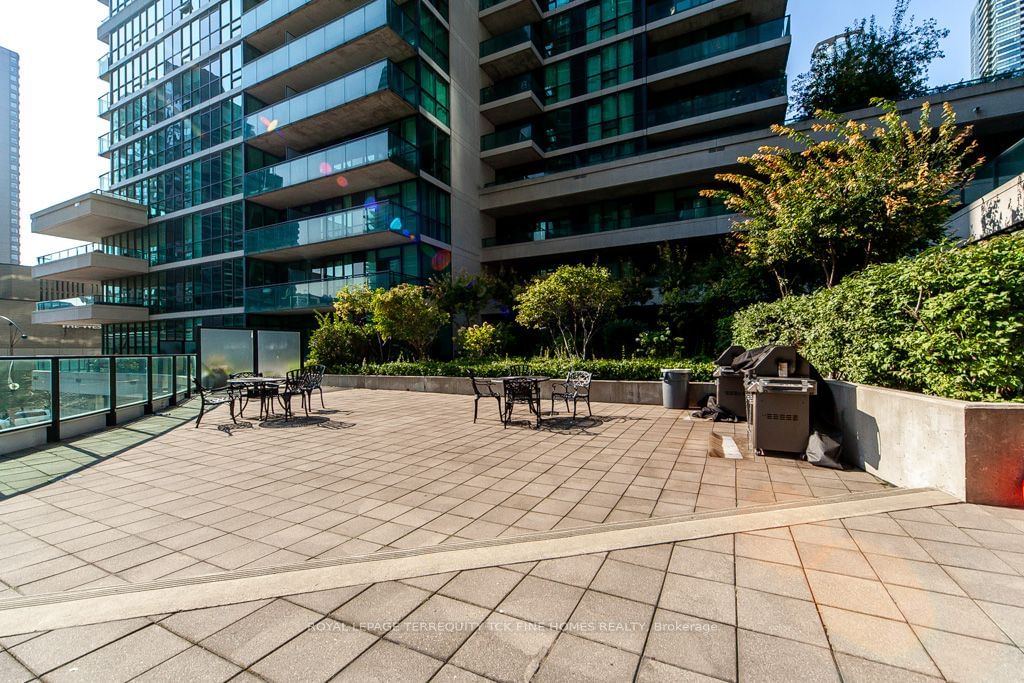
x=945, y=612
x=923, y=575
x=767, y=658
x=613, y=621
x=50, y=650
x=692, y=643
x=254, y=636
x=195, y=625
x=1009, y=619
x=541, y=601
x=505, y=649
x=955, y=555
x=857, y=670
x=835, y=560
x=386, y=662
x=653, y=671
x=325, y=602
x=12, y=671
x=484, y=587
x=767, y=548
x=992, y=587
x=654, y=556
x=195, y=665
x=699, y=597
x=779, y=616
x=438, y=627
x=453, y=674
x=852, y=593
x=316, y=654
x=123, y=659
x=575, y=571
x=628, y=581
x=961, y=658
x=771, y=577
x=380, y=606
x=876, y=639
x=577, y=659
x=885, y=544
x=702, y=564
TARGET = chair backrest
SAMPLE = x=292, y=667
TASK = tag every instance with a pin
x=518, y=388
x=578, y=378
x=295, y=374
x=518, y=371
x=242, y=375
x=315, y=375
x=479, y=384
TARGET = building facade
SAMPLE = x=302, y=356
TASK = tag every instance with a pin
x=265, y=154
x=997, y=37
x=10, y=156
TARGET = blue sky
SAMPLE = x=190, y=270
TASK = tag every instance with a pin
x=59, y=87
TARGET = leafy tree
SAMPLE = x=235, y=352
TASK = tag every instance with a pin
x=570, y=304
x=868, y=61
x=337, y=342
x=481, y=341
x=406, y=314
x=354, y=306
x=860, y=195
x=462, y=296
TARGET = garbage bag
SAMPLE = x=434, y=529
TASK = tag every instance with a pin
x=713, y=411
x=824, y=451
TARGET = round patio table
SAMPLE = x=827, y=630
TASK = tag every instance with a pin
x=536, y=379
x=266, y=398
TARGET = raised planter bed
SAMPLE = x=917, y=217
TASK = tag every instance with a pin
x=974, y=451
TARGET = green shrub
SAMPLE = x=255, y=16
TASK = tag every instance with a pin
x=948, y=322
x=338, y=342
x=631, y=369
x=480, y=341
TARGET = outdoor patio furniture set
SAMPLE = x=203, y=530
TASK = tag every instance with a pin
x=243, y=387
x=522, y=386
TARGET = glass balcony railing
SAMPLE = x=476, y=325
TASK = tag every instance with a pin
x=266, y=13
x=103, y=104
x=103, y=143
x=718, y=101
x=319, y=41
x=994, y=173
x=667, y=8
x=512, y=86
x=103, y=65
x=363, y=220
x=523, y=34
x=621, y=223
x=385, y=145
x=383, y=75
x=730, y=42
x=86, y=300
x=89, y=249
x=314, y=293
x=509, y=136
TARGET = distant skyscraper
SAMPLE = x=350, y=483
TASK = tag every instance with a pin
x=9, y=173
x=997, y=37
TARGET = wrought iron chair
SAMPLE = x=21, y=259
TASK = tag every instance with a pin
x=296, y=384
x=521, y=390
x=522, y=370
x=249, y=392
x=483, y=388
x=576, y=387
x=315, y=377
x=215, y=397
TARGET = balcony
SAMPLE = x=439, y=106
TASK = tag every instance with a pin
x=88, y=310
x=512, y=99
x=378, y=30
x=669, y=18
x=754, y=105
x=103, y=106
x=315, y=295
x=499, y=16
x=759, y=50
x=272, y=23
x=375, y=160
x=378, y=94
x=90, y=217
x=90, y=263
x=366, y=227
x=511, y=147
x=511, y=53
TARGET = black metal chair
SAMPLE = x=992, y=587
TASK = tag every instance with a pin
x=250, y=392
x=576, y=387
x=483, y=388
x=521, y=390
x=314, y=380
x=296, y=384
x=521, y=370
x=216, y=397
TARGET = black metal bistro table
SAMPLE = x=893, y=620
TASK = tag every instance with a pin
x=263, y=386
x=522, y=388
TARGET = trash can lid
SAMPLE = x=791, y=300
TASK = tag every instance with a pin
x=675, y=369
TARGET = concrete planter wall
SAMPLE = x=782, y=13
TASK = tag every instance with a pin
x=974, y=451
x=601, y=391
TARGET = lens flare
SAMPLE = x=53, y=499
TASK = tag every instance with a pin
x=342, y=181
x=396, y=224
x=271, y=126
x=325, y=168
x=441, y=260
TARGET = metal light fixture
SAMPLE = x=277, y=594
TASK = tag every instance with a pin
x=16, y=334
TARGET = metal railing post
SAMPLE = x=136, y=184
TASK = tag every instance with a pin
x=174, y=381
x=148, y=407
x=112, y=414
x=53, y=431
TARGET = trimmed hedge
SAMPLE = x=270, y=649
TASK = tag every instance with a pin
x=632, y=369
x=948, y=322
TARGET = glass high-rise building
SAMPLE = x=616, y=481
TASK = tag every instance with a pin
x=10, y=208
x=997, y=37
x=264, y=154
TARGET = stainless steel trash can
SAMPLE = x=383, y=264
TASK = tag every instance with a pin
x=675, y=385
x=779, y=413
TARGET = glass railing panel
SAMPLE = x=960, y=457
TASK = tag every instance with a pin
x=503, y=41
x=510, y=87
x=667, y=8
x=184, y=376
x=266, y=13
x=730, y=42
x=88, y=249
x=374, y=78
x=719, y=101
x=371, y=149
x=84, y=386
x=86, y=300
x=103, y=104
x=132, y=374
x=25, y=398
x=507, y=136
x=356, y=23
x=312, y=294
x=378, y=217
x=163, y=376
